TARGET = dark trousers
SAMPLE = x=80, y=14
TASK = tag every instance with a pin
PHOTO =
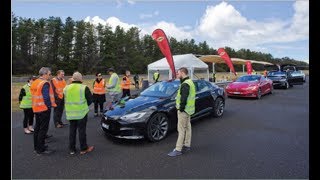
x=28, y=117
x=125, y=92
x=81, y=125
x=57, y=113
x=41, y=129
x=96, y=104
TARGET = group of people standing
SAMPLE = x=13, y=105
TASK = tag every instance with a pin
x=42, y=93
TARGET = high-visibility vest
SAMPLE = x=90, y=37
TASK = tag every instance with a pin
x=190, y=106
x=99, y=87
x=117, y=87
x=156, y=76
x=75, y=101
x=59, y=85
x=125, y=84
x=38, y=104
x=26, y=101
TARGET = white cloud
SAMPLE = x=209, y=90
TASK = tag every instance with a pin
x=171, y=30
x=144, y=16
x=131, y=2
x=180, y=33
x=222, y=25
x=113, y=22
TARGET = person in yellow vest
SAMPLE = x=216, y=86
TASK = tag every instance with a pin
x=99, y=94
x=185, y=104
x=77, y=98
x=125, y=84
x=42, y=97
x=25, y=103
x=254, y=72
x=113, y=86
x=58, y=83
x=156, y=76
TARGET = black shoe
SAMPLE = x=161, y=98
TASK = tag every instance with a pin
x=47, y=152
x=185, y=149
x=48, y=136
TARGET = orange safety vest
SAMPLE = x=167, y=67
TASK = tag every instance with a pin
x=99, y=88
x=38, y=104
x=125, y=84
x=59, y=85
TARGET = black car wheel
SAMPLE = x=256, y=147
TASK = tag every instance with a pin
x=259, y=94
x=157, y=128
x=218, y=107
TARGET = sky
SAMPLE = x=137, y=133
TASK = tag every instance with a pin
x=278, y=27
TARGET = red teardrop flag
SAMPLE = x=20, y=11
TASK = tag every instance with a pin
x=223, y=54
x=163, y=43
x=249, y=67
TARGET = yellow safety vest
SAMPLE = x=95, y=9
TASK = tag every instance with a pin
x=26, y=101
x=75, y=101
x=190, y=106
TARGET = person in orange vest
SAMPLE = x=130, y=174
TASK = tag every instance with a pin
x=99, y=94
x=125, y=84
x=58, y=83
x=25, y=103
x=42, y=97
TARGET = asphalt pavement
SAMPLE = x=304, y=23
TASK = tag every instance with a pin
x=255, y=139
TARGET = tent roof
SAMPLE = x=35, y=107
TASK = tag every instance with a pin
x=184, y=60
x=218, y=59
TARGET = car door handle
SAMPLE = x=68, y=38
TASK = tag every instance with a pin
x=197, y=97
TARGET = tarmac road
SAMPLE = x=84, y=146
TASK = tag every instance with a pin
x=255, y=139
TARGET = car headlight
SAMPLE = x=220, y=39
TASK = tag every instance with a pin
x=133, y=117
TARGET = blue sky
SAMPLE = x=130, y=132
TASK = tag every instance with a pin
x=280, y=28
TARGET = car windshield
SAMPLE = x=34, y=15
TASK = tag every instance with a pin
x=297, y=73
x=277, y=73
x=162, y=89
x=248, y=78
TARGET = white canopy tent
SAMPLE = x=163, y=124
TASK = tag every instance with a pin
x=197, y=69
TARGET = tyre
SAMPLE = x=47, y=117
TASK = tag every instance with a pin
x=259, y=94
x=157, y=127
x=271, y=89
x=218, y=107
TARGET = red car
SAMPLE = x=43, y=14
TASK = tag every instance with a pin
x=249, y=86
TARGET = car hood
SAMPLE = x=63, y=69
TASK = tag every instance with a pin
x=134, y=105
x=276, y=78
x=241, y=84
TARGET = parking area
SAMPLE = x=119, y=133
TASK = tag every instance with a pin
x=255, y=139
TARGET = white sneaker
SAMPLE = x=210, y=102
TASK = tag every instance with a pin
x=31, y=128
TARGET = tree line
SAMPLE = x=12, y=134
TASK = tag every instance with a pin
x=78, y=45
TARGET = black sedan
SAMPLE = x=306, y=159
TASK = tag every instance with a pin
x=284, y=79
x=153, y=113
